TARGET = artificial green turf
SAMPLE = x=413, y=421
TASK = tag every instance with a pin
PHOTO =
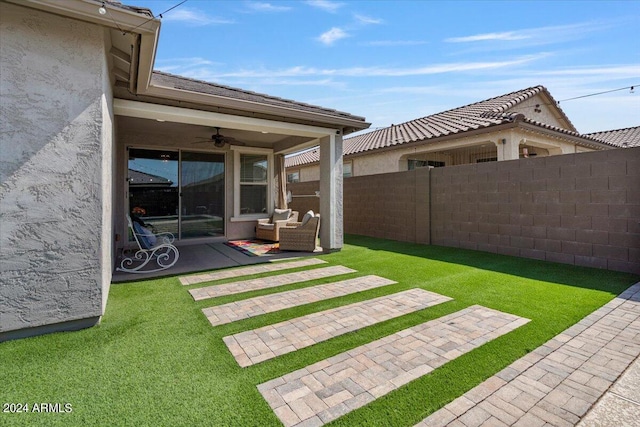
x=155, y=360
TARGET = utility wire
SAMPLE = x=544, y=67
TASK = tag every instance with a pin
x=160, y=14
x=597, y=93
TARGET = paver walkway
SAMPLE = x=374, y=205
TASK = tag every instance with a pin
x=556, y=384
x=267, y=282
x=265, y=343
x=326, y=390
x=246, y=271
x=227, y=313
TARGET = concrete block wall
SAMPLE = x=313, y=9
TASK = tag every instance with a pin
x=389, y=206
x=303, y=196
x=581, y=209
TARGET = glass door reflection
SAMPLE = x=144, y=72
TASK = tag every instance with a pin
x=153, y=188
x=202, y=188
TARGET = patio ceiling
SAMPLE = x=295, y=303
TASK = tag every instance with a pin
x=186, y=136
x=186, y=126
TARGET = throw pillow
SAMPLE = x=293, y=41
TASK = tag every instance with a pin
x=281, y=214
x=146, y=238
x=307, y=217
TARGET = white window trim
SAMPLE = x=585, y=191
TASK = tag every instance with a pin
x=237, y=152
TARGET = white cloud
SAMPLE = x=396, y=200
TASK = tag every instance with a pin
x=541, y=35
x=362, y=19
x=266, y=7
x=617, y=71
x=395, y=43
x=386, y=71
x=505, y=36
x=182, y=65
x=194, y=17
x=333, y=35
x=326, y=5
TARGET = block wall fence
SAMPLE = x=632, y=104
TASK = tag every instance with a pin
x=581, y=209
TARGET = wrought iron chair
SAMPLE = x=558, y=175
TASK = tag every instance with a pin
x=152, y=248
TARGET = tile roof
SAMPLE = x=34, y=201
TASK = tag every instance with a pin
x=627, y=137
x=479, y=115
x=160, y=78
x=141, y=10
x=304, y=158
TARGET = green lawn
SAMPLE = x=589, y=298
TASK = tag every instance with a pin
x=155, y=360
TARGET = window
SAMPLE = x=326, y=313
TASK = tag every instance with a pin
x=413, y=164
x=253, y=183
x=347, y=169
x=293, y=176
x=487, y=159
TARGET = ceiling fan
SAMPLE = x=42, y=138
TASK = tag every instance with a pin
x=219, y=140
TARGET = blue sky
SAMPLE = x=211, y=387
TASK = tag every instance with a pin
x=394, y=61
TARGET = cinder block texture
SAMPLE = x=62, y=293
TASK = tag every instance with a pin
x=391, y=206
x=581, y=209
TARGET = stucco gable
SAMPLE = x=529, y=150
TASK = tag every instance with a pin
x=532, y=106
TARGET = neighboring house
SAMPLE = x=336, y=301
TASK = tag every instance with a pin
x=86, y=124
x=524, y=123
x=624, y=138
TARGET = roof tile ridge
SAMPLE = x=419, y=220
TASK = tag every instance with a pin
x=264, y=95
x=613, y=130
x=517, y=97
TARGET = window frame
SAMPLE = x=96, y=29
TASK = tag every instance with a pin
x=345, y=163
x=296, y=171
x=238, y=152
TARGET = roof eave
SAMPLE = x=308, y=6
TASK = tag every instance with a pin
x=348, y=125
x=575, y=138
x=87, y=10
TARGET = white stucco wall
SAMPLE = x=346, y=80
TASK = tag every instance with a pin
x=548, y=113
x=55, y=171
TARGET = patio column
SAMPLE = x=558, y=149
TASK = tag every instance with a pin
x=508, y=148
x=331, y=215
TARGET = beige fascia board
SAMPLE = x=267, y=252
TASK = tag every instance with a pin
x=290, y=150
x=145, y=60
x=238, y=104
x=143, y=110
x=87, y=10
x=575, y=139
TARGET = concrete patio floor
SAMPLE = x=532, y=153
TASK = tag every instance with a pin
x=207, y=256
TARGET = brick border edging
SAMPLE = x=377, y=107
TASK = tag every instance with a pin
x=560, y=381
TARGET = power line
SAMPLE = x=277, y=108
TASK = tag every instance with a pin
x=160, y=14
x=597, y=93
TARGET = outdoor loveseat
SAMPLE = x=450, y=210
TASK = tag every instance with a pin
x=301, y=236
x=269, y=228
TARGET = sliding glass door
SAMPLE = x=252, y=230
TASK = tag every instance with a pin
x=180, y=192
x=202, y=183
x=153, y=188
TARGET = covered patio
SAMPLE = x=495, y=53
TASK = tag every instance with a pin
x=107, y=134
x=208, y=256
x=206, y=163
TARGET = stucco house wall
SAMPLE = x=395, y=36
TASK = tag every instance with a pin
x=396, y=159
x=539, y=129
x=55, y=193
